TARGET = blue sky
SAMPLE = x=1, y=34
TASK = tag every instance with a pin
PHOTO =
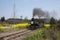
x=25, y=7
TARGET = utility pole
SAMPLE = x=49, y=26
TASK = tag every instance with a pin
x=14, y=10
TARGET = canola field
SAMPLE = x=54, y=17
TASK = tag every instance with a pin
x=22, y=25
x=19, y=26
x=3, y=26
x=14, y=27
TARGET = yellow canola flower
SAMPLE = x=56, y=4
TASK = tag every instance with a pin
x=3, y=27
x=47, y=25
x=21, y=25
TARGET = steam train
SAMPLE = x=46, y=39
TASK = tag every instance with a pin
x=35, y=24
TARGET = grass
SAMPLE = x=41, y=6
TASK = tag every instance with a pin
x=36, y=35
x=44, y=34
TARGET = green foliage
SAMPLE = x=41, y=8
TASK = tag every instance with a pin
x=36, y=35
x=2, y=18
x=52, y=21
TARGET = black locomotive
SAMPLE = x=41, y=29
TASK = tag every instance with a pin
x=35, y=24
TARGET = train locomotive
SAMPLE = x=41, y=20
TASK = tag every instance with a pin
x=35, y=24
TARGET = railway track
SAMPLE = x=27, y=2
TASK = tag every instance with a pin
x=13, y=35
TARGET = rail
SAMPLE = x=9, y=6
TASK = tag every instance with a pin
x=8, y=36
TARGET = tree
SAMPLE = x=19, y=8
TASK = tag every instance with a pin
x=52, y=21
x=3, y=19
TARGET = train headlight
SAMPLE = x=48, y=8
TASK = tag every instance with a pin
x=31, y=22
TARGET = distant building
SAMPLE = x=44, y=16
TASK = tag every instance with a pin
x=14, y=21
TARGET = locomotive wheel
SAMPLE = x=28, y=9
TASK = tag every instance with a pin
x=33, y=27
